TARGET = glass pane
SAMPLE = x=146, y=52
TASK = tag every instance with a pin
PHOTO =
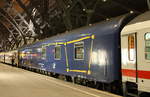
x=57, y=52
x=147, y=43
x=147, y=49
x=79, y=51
x=131, y=47
x=147, y=36
x=147, y=56
x=43, y=53
x=147, y=46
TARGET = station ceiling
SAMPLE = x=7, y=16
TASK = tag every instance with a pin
x=25, y=21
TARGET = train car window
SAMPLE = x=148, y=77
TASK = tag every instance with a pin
x=57, y=52
x=38, y=52
x=131, y=47
x=79, y=50
x=43, y=53
x=147, y=46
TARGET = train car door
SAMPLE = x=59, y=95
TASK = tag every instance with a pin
x=59, y=56
x=56, y=58
x=129, y=57
x=78, y=54
x=143, y=60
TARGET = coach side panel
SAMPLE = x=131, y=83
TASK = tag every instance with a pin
x=143, y=59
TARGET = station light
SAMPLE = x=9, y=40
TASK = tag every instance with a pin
x=84, y=9
x=104, y=0
x=68, y=6
x=115, y=26
x=90, y=24
x=131, y=11
x=107, y=19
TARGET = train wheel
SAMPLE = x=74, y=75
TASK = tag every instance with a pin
x=69, y=79
x=92, y=84
x=99, y=86
x=62, y=77
x=56, y=75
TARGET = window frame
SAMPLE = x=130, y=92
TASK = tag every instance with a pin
x=43, y=56
x=75, y=52
x=129, y=47
x=145, y=52
x=55, y=52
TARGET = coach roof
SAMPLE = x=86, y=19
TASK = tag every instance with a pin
x=140, y=22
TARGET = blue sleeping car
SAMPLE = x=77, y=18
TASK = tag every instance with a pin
x=91, y=52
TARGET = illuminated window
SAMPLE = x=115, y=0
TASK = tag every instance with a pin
x=79, y=50
x=37, y=53
x=57, y=52
x=131, y=47
x=147, y=46
x=43, y=53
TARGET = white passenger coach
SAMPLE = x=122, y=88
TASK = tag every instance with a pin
x=135, y=47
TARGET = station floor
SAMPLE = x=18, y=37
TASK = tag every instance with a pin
x=16, y=82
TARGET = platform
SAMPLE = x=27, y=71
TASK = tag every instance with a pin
x=16, y=82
